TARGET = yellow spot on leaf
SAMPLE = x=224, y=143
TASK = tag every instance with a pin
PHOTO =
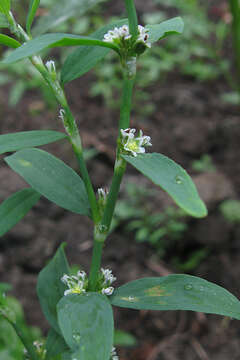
x=129, y=298
x=157, y=291
x=24, y=162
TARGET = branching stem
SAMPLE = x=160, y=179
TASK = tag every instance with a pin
x=119, y=170
x=69, y=120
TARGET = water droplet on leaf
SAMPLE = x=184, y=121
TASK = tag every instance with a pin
x=188, y=287
x=179, y=179
x=201, y=288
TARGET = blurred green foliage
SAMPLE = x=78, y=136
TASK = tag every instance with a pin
x=137, y=215
x=230, y=209
x=204, y=164
x=11, y=347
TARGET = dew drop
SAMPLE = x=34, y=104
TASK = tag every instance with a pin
x=179, y=179
x=188, y=287
x=130, y=298
x=201, y=288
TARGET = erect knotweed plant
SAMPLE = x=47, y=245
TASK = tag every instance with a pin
x=79, y=307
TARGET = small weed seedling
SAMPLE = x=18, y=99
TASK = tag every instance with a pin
x=137, y=215
x=79, y=307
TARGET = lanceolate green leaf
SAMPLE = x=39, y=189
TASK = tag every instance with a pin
x=168, y=27
x=50, y=288
x=8, y=41
x=5, y=6
x=52, y=178
x=86, y=322
x=172, y=178
x=85, y=58
x=16, y=207
x=34, y=4
x=26, y=139
x=53, y=40
x=177, y=292
x=61, y=11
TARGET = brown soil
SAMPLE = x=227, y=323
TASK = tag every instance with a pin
x=190, y=121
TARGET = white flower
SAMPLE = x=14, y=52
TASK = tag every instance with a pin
x=108, y=291
x=108, y=276
x=81, y=274
x=143, y=35
x=114, y=354
x=116, y=34
x=106, y=280
x=122, y=34
x=132, y=144
x=76, y=284
x=62, y=114
x=102, y=195
x=50, y=65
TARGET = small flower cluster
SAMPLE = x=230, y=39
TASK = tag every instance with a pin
x=50, y=65
x=121, y=35
x=102, y=199
x=114, y=354
x=77, y=284
x=134, y=145
x=40, y=350
x=106, y=279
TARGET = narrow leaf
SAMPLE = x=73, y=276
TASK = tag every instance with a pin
x=53, y=40
x=85, y=58
x=3, y=21
x=5, y=6
x=8, y=41
x=61, y=11
x=50, y=288
x=55, y=345
x=34, y=4
x=52, y=178
x=172, y=178
x=86, y=322
x=166, y=28
x=26, y=139
x=177, y=292
x=16, y=207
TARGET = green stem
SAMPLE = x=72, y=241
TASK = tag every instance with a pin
x=25, y=340
x=120, y=164
x=95, y=262
x=119, y=170
x=132, y=17
x=72, y=130
x=102, y=230
x=126, y=103
x=68, y=118
x=88, y=184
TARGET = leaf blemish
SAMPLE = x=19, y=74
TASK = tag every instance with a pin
x=24, y=162
x=129, y=298
x=157, y=291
